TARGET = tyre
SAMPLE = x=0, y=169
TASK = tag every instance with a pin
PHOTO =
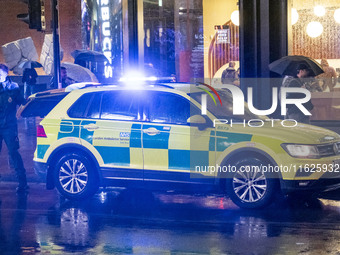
x=250, y=188
x=75, y=177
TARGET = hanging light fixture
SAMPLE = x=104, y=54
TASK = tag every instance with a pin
x=314, y=29
x=295, y=16
x=337, y=15
x=319, y=10
x=235, y=17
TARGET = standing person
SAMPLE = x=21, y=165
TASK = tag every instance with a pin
x=296, y=81
x=329, y=77
x=10, y=97
x=29, y=79
x=65, y=80
x=229, y=75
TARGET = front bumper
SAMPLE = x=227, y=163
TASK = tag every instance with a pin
x=327, y=182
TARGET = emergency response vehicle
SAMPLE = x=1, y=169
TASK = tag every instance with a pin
x=157, y=137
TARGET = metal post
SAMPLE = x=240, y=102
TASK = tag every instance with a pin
x=56, y=46
x=133, y=32
x=263, y=39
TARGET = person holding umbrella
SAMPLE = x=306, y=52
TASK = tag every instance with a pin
x=296, y=81
x=65, y=80
x=295, y=69
x=29, y=79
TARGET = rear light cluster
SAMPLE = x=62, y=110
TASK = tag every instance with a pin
x=41, y=131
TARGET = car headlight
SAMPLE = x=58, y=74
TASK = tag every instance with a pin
x=301, y=150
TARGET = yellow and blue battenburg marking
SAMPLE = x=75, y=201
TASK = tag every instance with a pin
x=41, y=150
x=129, y=145
x=226, y=139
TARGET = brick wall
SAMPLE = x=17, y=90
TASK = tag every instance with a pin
x=12, y=29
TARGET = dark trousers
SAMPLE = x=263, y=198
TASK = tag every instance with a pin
x=10, y=137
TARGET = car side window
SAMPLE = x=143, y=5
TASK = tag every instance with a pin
x=79, y=108
x=119, y=105
x=94, y=108
x=168, y=108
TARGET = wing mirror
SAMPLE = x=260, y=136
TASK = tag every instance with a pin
x=197, y=121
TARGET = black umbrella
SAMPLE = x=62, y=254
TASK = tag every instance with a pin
x=288, y=65
x=89, y=55
x=29, y=64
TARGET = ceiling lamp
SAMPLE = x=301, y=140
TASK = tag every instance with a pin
x=314, y=29
x=235, y=17
x=337, y=15
x=319, y=10
x=295, y=16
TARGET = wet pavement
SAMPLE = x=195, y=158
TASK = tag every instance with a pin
x=27, y=138
x=138, y=222
x=119, y=221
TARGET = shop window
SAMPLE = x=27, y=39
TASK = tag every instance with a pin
x=315, y=34
x=189, y=39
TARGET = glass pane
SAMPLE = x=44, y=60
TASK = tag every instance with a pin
x=78, y=109
x=94, y=109
x=186, y=39
x=315, y=29
x=41, y=106
x=119, y=106
x=169, y=108
x=102, y=32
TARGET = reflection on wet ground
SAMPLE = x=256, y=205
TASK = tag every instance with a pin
x=139, y=222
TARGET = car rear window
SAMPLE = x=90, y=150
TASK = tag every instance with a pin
x=41, y=105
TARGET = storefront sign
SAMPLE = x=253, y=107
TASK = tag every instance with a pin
x=222, y=34
x=106, y=35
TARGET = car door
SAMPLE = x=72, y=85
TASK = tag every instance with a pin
x=112, y=127
x=171, y=148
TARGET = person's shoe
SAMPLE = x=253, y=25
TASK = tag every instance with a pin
x=22, y=189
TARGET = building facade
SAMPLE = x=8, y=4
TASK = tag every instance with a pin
x=196, y=39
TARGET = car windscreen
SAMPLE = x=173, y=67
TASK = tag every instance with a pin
x=226, y=109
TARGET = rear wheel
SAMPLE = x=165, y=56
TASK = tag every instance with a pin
x=75, y=177
x=249, y=187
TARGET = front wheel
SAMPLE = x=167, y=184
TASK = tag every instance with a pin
x=75, y=177
x=249, y=187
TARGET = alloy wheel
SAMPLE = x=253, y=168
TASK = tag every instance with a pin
x=73, y=176
x=249, y=186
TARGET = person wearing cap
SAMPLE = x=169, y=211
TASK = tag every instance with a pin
x=10, y=97
x=296, y=81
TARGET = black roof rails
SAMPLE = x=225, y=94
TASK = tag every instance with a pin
x=45, y=93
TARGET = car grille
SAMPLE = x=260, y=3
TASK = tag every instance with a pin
x=328, y=150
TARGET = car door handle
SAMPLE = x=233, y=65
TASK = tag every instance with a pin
x=151, y=131
x=91, y=127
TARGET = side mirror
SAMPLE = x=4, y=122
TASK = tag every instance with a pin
x=197, y=121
